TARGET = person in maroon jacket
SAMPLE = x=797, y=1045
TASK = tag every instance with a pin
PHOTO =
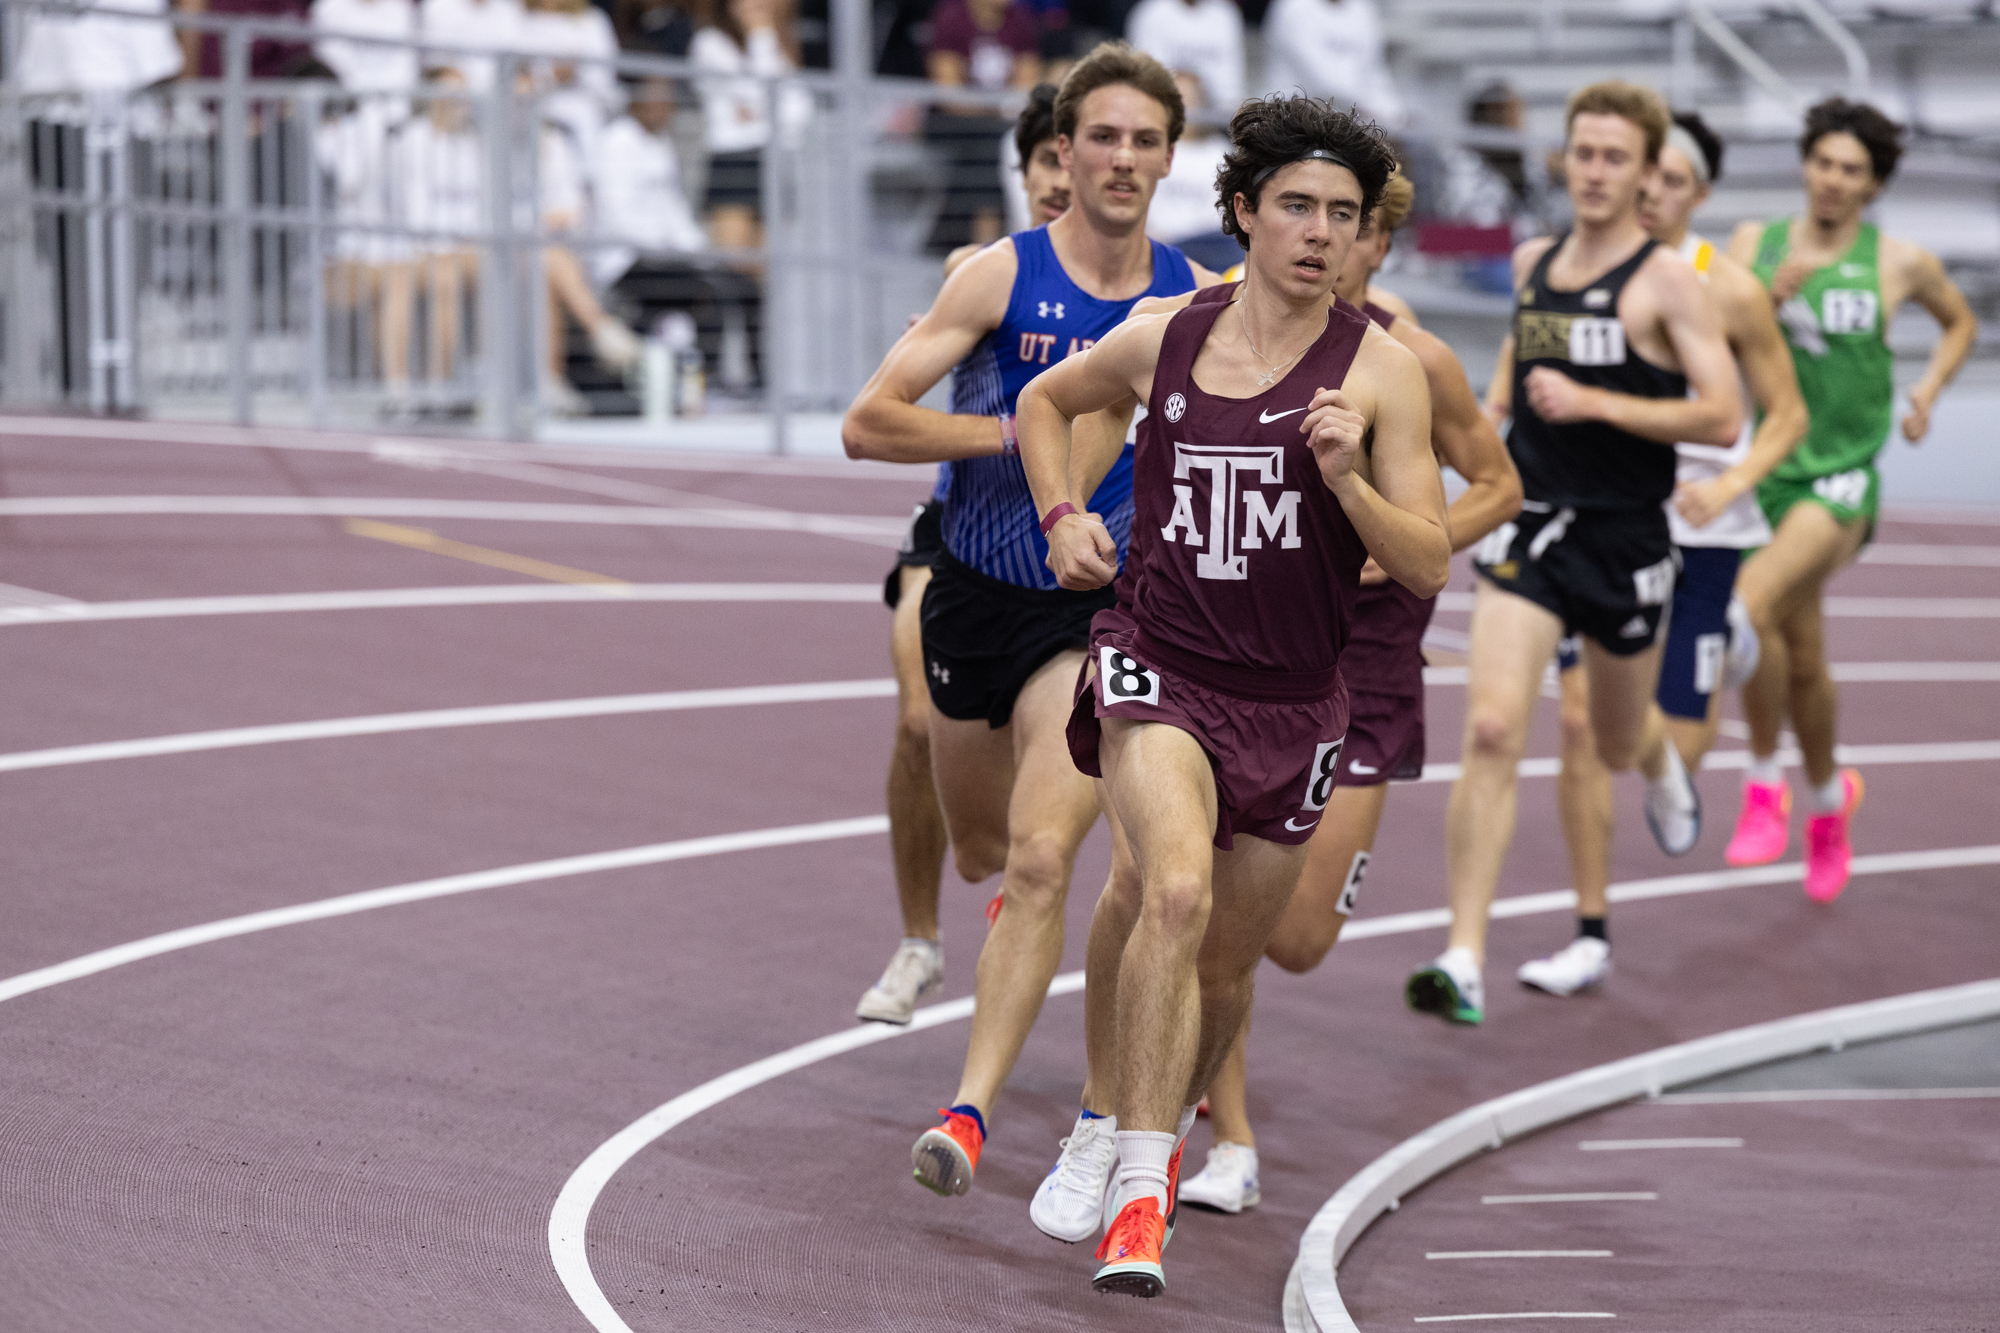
x=1210, y=706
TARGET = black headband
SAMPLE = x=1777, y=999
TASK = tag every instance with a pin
x=1316, y=155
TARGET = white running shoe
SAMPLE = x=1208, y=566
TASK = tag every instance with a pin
x=1739, y=663
x=1450, y=987
x=1583, y=962
x=916, y=970
x=1673, y=807
x=1228, y=1184
x=1069, y=1203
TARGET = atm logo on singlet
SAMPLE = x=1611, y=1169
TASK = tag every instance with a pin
x=1240, y=517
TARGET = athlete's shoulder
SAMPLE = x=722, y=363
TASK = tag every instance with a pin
x=1667, y=271
x=1530, y=253
x=977, y=293
x=1392, y=303
x=1745, y=241
x=1906, y=257
x=1385, y=360
x=1433, y=353
x=1159, y=305
x=1734, y=286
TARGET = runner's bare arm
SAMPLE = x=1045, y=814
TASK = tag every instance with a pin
x=1095, y=443
x=1932, y=289
x=1499, y=404
x=1712, y=413
x=884, y=421
x=1120, y=367
x=1767, y=364
x=1401, y=516
x=1463, y=437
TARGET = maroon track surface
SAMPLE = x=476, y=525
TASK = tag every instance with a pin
x=363, y=1123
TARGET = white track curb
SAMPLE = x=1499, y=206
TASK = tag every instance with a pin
x=1312, y=1302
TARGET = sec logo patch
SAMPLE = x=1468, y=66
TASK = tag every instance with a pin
x=1176, y=407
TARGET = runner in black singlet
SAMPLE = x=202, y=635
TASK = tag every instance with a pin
x=1619, y=355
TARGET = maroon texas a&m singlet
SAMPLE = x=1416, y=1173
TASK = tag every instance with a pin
x=1243, y=566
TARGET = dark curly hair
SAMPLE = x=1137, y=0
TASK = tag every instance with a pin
x=1272, y=132
x=1705, y=139
x=1037, y=121
x=1881, y=136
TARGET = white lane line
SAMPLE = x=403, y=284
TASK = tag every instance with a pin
x=1642, y=1145
x=1844, y=672
x=569, y=1247
x=1936, y=752
x=1862, y=608
x=395, y=895
x=491, y=594
x=1960, y=556
x=876, y=530
x=1639, y=1196
x=1765, y=1096
x=12, y=596
x=1522, y=1314
x=380, y=724
x=1518, y=1254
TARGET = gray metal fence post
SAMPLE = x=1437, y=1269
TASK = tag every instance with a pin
x=854, y=61
x=316, y=346
x=20, y=356
x=236, y=295
x=778, y=295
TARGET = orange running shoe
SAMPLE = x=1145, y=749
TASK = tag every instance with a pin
x=1131, y=1251
x=945, y=1158
x=1173, y=1191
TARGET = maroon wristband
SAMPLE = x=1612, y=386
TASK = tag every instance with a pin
x=1056, y=515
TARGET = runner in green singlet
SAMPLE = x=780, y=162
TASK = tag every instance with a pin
x=1836, y=282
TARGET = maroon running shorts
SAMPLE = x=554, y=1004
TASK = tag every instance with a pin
x=1273, y=762
x=1383, y=665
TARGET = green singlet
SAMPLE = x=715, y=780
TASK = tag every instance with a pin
x=1834, y=326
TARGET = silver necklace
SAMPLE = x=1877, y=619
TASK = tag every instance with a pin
x=1271, y=375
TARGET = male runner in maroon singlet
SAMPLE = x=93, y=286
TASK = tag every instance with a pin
x=1210, y=705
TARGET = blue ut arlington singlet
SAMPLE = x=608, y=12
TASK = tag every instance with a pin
x=990, y=521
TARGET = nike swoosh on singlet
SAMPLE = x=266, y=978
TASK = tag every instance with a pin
x=1297, y=827
x=1363, y=769
x=1267, y=418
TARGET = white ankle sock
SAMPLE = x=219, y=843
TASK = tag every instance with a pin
x=1142, y=1165
x=1764, y=770
x=1829, y=799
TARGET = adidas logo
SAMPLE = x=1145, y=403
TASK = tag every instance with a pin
x=1635, y=628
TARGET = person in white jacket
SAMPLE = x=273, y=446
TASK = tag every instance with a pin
x=1203, y=37
x=1332, y=49
x=641, y=197
x=736, y=51
x=367, y=67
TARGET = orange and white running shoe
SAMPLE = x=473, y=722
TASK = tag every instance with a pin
x=1131, y=1250
x=1829, y=856
x=943, y=1159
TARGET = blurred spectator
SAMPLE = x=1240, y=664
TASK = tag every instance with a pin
x=1332, y=49
x=436, y=183
x=365, y=67
x=991, y=45
x=366, y=266
x=654, y=27
x=1184, y=211
x=100, y=52
x=580, y=96
x=1485, y=184
x=270, y=58
x=1204, y=37
x=472, y=25
x=641, y=200
x=738, y=45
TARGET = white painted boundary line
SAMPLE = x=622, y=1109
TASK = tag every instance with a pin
x=1520, y=1254
x=490, y=594
x=1641, y=1145
x=1766, y=1096
x=1948, y=556
x=1518, y=1314
x=529, y=872
x=1634, y=1196
x=1844, y=672
x=569, y=1220
x=1887, y=608
x=1312, y=1294
x=380, y=724
x=874, y=528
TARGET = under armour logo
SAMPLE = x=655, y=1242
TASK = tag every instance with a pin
x=943, y=675
x=1046, y=307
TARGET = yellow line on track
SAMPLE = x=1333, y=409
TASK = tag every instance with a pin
x=422, y=539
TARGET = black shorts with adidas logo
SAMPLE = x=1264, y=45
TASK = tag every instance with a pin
x=1607, y=574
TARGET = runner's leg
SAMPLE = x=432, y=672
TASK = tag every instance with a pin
x=1228, y=1111
x=916, y=824
x=1811, y=700
x=1583, y=794
x=1252, y=884
x=1513, y=641
x=1776, y=582
x=1312, y=920
x=1051, y=810
x=972, y=764
x=1623, y=717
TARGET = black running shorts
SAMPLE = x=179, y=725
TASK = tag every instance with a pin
x=983, y=638
x=1608, y=574
x=922, y=545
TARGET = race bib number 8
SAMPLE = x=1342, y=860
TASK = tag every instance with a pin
x=1319, y=786
x=1596, y=342
x=1121, y=680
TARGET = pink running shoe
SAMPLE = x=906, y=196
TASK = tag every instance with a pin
x=1763, y=827
x=1828, y=855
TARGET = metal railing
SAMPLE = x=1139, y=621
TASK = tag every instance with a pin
x=193, y=248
